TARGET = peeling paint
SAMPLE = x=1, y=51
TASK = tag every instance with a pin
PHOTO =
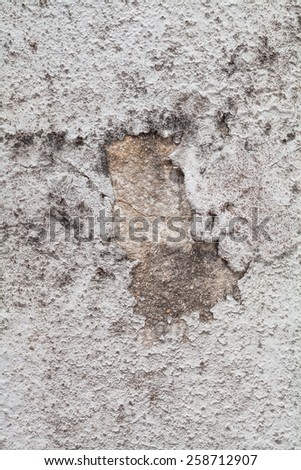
x=150, y=188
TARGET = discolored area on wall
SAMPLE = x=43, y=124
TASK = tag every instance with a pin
x=174, y=275
x=148, y=190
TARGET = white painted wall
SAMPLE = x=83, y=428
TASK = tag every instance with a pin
x=222, y=77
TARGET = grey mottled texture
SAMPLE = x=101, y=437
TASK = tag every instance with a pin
x=223, y=80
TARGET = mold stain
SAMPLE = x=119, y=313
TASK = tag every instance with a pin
x=173, y=275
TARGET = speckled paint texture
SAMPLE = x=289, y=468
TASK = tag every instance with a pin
x=222, y=80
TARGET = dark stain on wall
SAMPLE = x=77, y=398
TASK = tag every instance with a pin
x=173, y=276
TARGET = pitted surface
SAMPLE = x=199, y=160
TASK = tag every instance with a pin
x=221, y=81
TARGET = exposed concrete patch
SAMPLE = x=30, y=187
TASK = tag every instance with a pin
x=148, y=190
x=170, y=282
x=174, y=275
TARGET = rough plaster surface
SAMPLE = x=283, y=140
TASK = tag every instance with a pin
x=222, y=80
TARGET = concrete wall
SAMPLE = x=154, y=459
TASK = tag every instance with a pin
x=214, y=88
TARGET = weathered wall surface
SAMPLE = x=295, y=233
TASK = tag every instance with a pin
x=218, y=84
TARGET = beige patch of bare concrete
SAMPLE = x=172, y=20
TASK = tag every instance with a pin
x=149, y=193
x=174, y=275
